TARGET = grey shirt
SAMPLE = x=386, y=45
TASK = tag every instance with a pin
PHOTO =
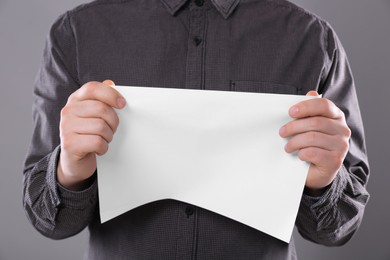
x=269, y=46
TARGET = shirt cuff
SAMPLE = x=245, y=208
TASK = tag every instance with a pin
x=63, y=197
x=318, y=205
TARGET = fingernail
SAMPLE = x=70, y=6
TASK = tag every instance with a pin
x=121, y=102
x=294, y=111
x=109, y=82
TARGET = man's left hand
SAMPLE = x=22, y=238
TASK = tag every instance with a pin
x=320, y=136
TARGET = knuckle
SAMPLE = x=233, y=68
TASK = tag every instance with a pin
x=116, y=121
x=303, y=154
x=341, y=115
x=65, y=111
x=313, y=137
x=102, y=148
x=100, y=126
x=100, y=108
x=65, y=123
x=99, y=143
x=314, y=123
x=327, y=103
x=91, y=84
x=347, y=132
x=110, y=137
x=88, y=88
x=72, y=97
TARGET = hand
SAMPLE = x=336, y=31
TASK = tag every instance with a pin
x=88, y=123
x=320, y=135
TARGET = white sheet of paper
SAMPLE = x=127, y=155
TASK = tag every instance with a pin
x=218, y=150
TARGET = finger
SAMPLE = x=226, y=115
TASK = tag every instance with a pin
x=329, y=161
x=316, y=107
x=81, y=145
x=316, y=123
x=101, y=92
x=315, y=139
x=312, y=93
x=93, y=126
x=109, y=82
x=324, y=166
x=96, y=109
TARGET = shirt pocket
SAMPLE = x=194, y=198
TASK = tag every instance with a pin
x=263, y=87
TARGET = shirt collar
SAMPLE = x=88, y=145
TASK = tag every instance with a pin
x=225, y=7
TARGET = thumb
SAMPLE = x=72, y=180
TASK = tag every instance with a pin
x=109, y=82
x=312, y=93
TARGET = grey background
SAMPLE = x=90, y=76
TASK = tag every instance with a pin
x=364, y=29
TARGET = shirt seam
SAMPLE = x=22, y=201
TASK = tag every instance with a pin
x=289, y=5
x=321, y=22
x=83, y=7
x=75, y=46
x=325, y=43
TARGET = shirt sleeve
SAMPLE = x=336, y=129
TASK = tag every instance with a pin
x=53, y=210
x=333, y=218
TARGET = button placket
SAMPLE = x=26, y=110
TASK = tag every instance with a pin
x=187, y=226
x=197, y=40
x=196, y=45
x=189, y=211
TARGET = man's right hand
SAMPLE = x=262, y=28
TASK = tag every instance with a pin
x=88, y=123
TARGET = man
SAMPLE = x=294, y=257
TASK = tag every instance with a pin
x=269, y=46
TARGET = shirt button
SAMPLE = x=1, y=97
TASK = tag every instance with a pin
x=189, y=211
x=199, y=2
x=197, y=40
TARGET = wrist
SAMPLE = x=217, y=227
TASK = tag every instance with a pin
x=71, y=182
